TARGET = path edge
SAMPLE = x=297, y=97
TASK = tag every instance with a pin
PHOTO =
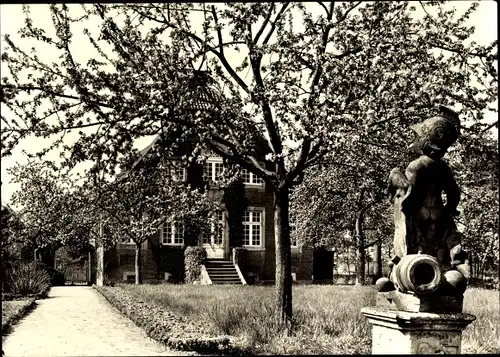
x=214, y=346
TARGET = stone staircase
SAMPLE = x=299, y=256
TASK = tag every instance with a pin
x=222, y=272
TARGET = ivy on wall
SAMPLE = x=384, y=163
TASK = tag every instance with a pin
x=193, y=259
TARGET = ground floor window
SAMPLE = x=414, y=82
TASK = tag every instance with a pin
x=214, y=237
x=172, y=233
x=252, y=228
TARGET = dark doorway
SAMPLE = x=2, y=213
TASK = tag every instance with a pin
x=323, y=266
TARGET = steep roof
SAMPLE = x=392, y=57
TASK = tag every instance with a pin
x=204, y=93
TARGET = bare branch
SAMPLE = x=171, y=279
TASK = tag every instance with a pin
x=273, y=25
x=324, y=7
x=266, y=21
x=30, y=87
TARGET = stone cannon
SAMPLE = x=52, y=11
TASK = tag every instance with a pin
x=417, y=273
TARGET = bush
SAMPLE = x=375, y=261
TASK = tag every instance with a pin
x=28, y=280
x=163, y=326
x=193, y=259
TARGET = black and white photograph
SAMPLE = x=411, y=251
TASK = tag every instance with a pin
x=249, y=178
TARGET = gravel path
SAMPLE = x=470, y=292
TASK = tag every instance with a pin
x=78, y=321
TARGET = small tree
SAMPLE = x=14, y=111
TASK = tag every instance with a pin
x=44, y=204
x=138, y=203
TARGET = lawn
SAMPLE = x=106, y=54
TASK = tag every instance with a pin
x=328, y=318
x=14, y=310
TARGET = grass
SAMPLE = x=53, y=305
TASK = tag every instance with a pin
x=328, y=318
x=483, y=335
x=13, y=311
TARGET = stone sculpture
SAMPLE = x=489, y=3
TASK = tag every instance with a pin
x=429, y=267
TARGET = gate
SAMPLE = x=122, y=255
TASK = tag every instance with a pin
x=76, y=274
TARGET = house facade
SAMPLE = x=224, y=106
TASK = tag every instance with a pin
x=245, y=220
x=251, y=203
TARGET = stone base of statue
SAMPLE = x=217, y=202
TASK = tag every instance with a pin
x=436, y=303
x=404, y=332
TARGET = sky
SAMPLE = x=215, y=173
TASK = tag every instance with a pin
x=12, y=18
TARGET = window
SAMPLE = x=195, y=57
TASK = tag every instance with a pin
x=252, y=228
x=216, y=231
x=177, y=171
x=213, y=170
x=249, y=178
x=172, y=233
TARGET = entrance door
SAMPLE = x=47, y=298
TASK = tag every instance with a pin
x=213, y=243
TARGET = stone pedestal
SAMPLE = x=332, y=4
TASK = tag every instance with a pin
x=402, y=332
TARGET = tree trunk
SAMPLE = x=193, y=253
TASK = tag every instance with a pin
x=138, y=263
x=378, y=259
x=360, y=250
x=283, y=259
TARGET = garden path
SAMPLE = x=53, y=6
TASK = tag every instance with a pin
x=78, y=321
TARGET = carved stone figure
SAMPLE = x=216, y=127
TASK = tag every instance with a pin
x=424, y=224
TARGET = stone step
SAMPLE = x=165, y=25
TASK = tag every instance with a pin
x=215, y=276
x=227, y=283
x=225, y=278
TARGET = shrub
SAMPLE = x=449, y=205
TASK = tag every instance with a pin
x=193, y=259
x=163, y=326
x=28, y=279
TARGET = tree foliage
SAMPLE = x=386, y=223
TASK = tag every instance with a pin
x=135, y=206
x=44, y=203
x=475, y=162
x=309, y=78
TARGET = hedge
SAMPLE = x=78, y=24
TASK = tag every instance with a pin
x=193, y=259
x=9, y=321
x=165, y=327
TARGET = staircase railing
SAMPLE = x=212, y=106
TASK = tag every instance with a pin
x=242, y=278
x=204, y=277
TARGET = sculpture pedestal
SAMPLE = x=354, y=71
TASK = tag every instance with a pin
x=402, y=332
x=435, y=303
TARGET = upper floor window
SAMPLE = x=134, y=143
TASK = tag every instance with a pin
x=172, y=233
x=250, y=178
x=252, y=228
x=213, y=169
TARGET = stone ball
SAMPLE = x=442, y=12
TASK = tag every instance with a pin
x=384, y=285
x=456, y=280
